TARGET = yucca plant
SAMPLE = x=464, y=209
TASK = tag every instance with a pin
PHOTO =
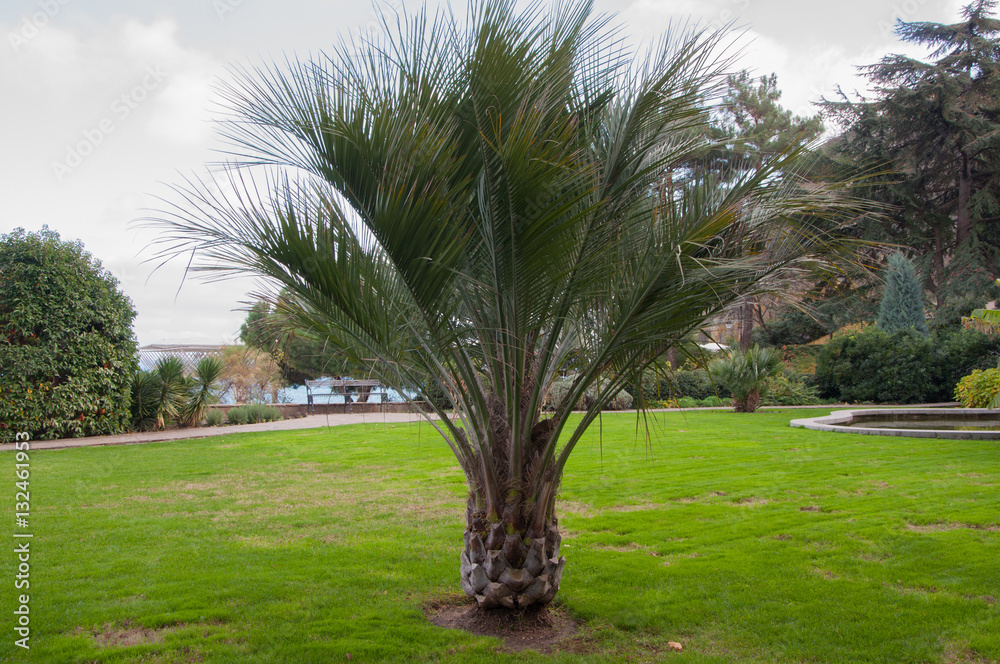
x=471, y=208
x=145, y=403
x=745, y=374
x=172, y=390
x=202, y=390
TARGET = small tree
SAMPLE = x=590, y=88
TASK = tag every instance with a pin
x=902, y=301
x=67, y=352
x=745, y=374
x=300, y=355
x=250, y=374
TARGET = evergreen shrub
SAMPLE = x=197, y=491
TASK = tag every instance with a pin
x=906, y=367
x=67, y=352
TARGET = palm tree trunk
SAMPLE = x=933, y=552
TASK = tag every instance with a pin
x=511, y=556
x=503, y=567
x=749, y=404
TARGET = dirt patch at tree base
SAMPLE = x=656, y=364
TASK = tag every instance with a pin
x=534, y=628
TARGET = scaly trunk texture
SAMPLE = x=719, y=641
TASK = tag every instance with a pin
x=748, y=405
x=511, y=557
x=504, y=567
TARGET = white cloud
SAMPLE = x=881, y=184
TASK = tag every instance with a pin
x=103, y=113
x=87, y=65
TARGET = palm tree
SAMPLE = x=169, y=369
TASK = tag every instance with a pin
x=469, y=207
x=745, y=374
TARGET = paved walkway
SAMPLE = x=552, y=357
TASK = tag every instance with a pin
x=309, y=422
x=317, y=422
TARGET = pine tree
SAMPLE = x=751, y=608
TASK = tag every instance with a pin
x=902, y=302
x=933, y=130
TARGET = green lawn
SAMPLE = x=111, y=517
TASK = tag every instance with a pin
x=741, y=538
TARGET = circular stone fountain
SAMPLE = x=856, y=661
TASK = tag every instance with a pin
x=961, y=423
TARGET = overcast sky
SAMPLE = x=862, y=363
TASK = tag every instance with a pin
x=106, y=100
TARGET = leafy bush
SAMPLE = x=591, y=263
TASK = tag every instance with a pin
x=698, y=384
x=791, y=389
x=263, y=413
x=253, y=413
x=746, y=374
x=905, y=367
x=67, y=352
x=557, y=392
x=963, y=351
x=214, y=417
x=693, y=383
x=687, y=402
x=950, y=313
x=237, y=415
x=980, y=389
x=873, y=366
x=711, y=402
x=662, y=403
x=622, y=401
x=790, y=327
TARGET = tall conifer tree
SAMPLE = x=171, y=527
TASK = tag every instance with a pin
x=936, y=127
x=902, y=301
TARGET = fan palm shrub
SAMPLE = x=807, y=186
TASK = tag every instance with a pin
x=745, y=374
x=471, y=207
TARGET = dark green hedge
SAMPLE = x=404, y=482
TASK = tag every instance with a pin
x=904, y=367
x=67, y=352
